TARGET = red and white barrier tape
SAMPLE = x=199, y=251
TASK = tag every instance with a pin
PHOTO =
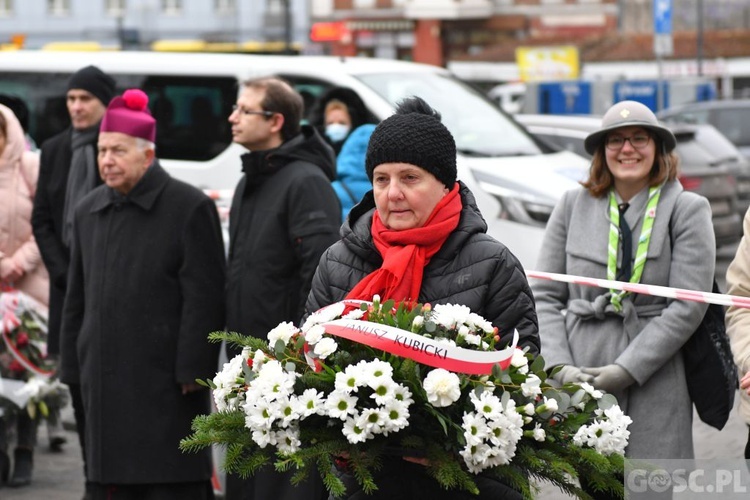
x=660, y=291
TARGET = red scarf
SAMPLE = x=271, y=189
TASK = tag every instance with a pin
x=407, y=252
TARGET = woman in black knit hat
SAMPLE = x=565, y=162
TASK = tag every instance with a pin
x=418, y=236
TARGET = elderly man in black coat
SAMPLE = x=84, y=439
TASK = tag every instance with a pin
x=145, y=288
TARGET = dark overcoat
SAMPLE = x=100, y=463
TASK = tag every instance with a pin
x=144, y=290
x=47, y=222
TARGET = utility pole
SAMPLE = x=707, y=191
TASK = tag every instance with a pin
x=287, y=26
x=699, y=37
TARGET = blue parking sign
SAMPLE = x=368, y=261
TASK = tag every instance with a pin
x=663, y=17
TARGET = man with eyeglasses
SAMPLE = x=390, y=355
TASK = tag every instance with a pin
x=284, y=214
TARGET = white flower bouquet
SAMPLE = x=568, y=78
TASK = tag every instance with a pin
x=26, y=373
x=361, y=381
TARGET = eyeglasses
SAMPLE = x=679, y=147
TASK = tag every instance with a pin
x=638, y=141
x=248, y=112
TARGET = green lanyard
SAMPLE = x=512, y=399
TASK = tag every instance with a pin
x=643, y=241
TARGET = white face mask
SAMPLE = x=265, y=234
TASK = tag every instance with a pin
x=337, y=132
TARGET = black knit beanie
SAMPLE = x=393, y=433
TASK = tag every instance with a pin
x=414, y=135
x=92, y=79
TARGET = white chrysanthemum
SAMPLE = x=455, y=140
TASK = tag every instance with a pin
x=519, y=359
x=353, y=433
x=450, y=315
x=350, y=379
x=463, y=331
x=227, y=381
x=260, y=414
x=475, y=457
x=397, y=415
x=532, y=387
x=273, y=381
x=486, y=403
x=310, y=402
x=417, y=323
x=403, y=394
x=314, y=334
x=539, y=433
x=259, y=358
x=288, y=411
x=354, y=314
x=480, y=323
x=442, y=387
x=491, y=439
x=475, y=428
x=446, y=341
x=263, y=437
x=372, y=420
x=334, y=311
x=325, y=347
x=550, y=404
x=472, y=339
x=287, y=440
x=340, y=404
x=595, y=393
x=375, y=369
x=284, y=332
x=382, y=389
x=606, y=436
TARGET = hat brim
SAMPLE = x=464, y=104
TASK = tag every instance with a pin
x=594, y=140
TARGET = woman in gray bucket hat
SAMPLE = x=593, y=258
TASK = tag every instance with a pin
x=629, y=221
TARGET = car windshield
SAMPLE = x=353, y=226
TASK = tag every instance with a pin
x=478, y=127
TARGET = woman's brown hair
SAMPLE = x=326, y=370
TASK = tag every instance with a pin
x=600, y=181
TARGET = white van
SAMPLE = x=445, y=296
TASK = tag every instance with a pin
x=516, y=179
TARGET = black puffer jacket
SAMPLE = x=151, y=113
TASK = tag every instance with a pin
x=472, y=269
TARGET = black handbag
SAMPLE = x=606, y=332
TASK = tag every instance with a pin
x=709, y=368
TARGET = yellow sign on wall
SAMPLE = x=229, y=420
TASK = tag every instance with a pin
x=547, y=63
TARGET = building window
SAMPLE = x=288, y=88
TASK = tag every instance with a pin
x=171, y=7
x=115, y=8
x=58, y=7
x=225, y=7
x=6, y=8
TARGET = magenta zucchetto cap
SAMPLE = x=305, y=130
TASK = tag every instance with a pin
x=129, y=114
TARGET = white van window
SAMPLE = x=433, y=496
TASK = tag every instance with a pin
x=191, y=111
x=472, y=119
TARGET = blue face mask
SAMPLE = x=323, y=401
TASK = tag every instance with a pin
x=337, y=132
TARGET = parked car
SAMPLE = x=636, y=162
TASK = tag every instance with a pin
x=730, y=116
x=509, y=96
x=515, y=178
x=708, y=163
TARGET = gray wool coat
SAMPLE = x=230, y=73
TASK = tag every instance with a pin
x=577, y=325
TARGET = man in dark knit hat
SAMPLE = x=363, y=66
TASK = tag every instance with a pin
x=145, y=289
x=67, y=171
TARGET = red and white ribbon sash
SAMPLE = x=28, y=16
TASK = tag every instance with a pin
x=421, y=349
x=660, y=291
